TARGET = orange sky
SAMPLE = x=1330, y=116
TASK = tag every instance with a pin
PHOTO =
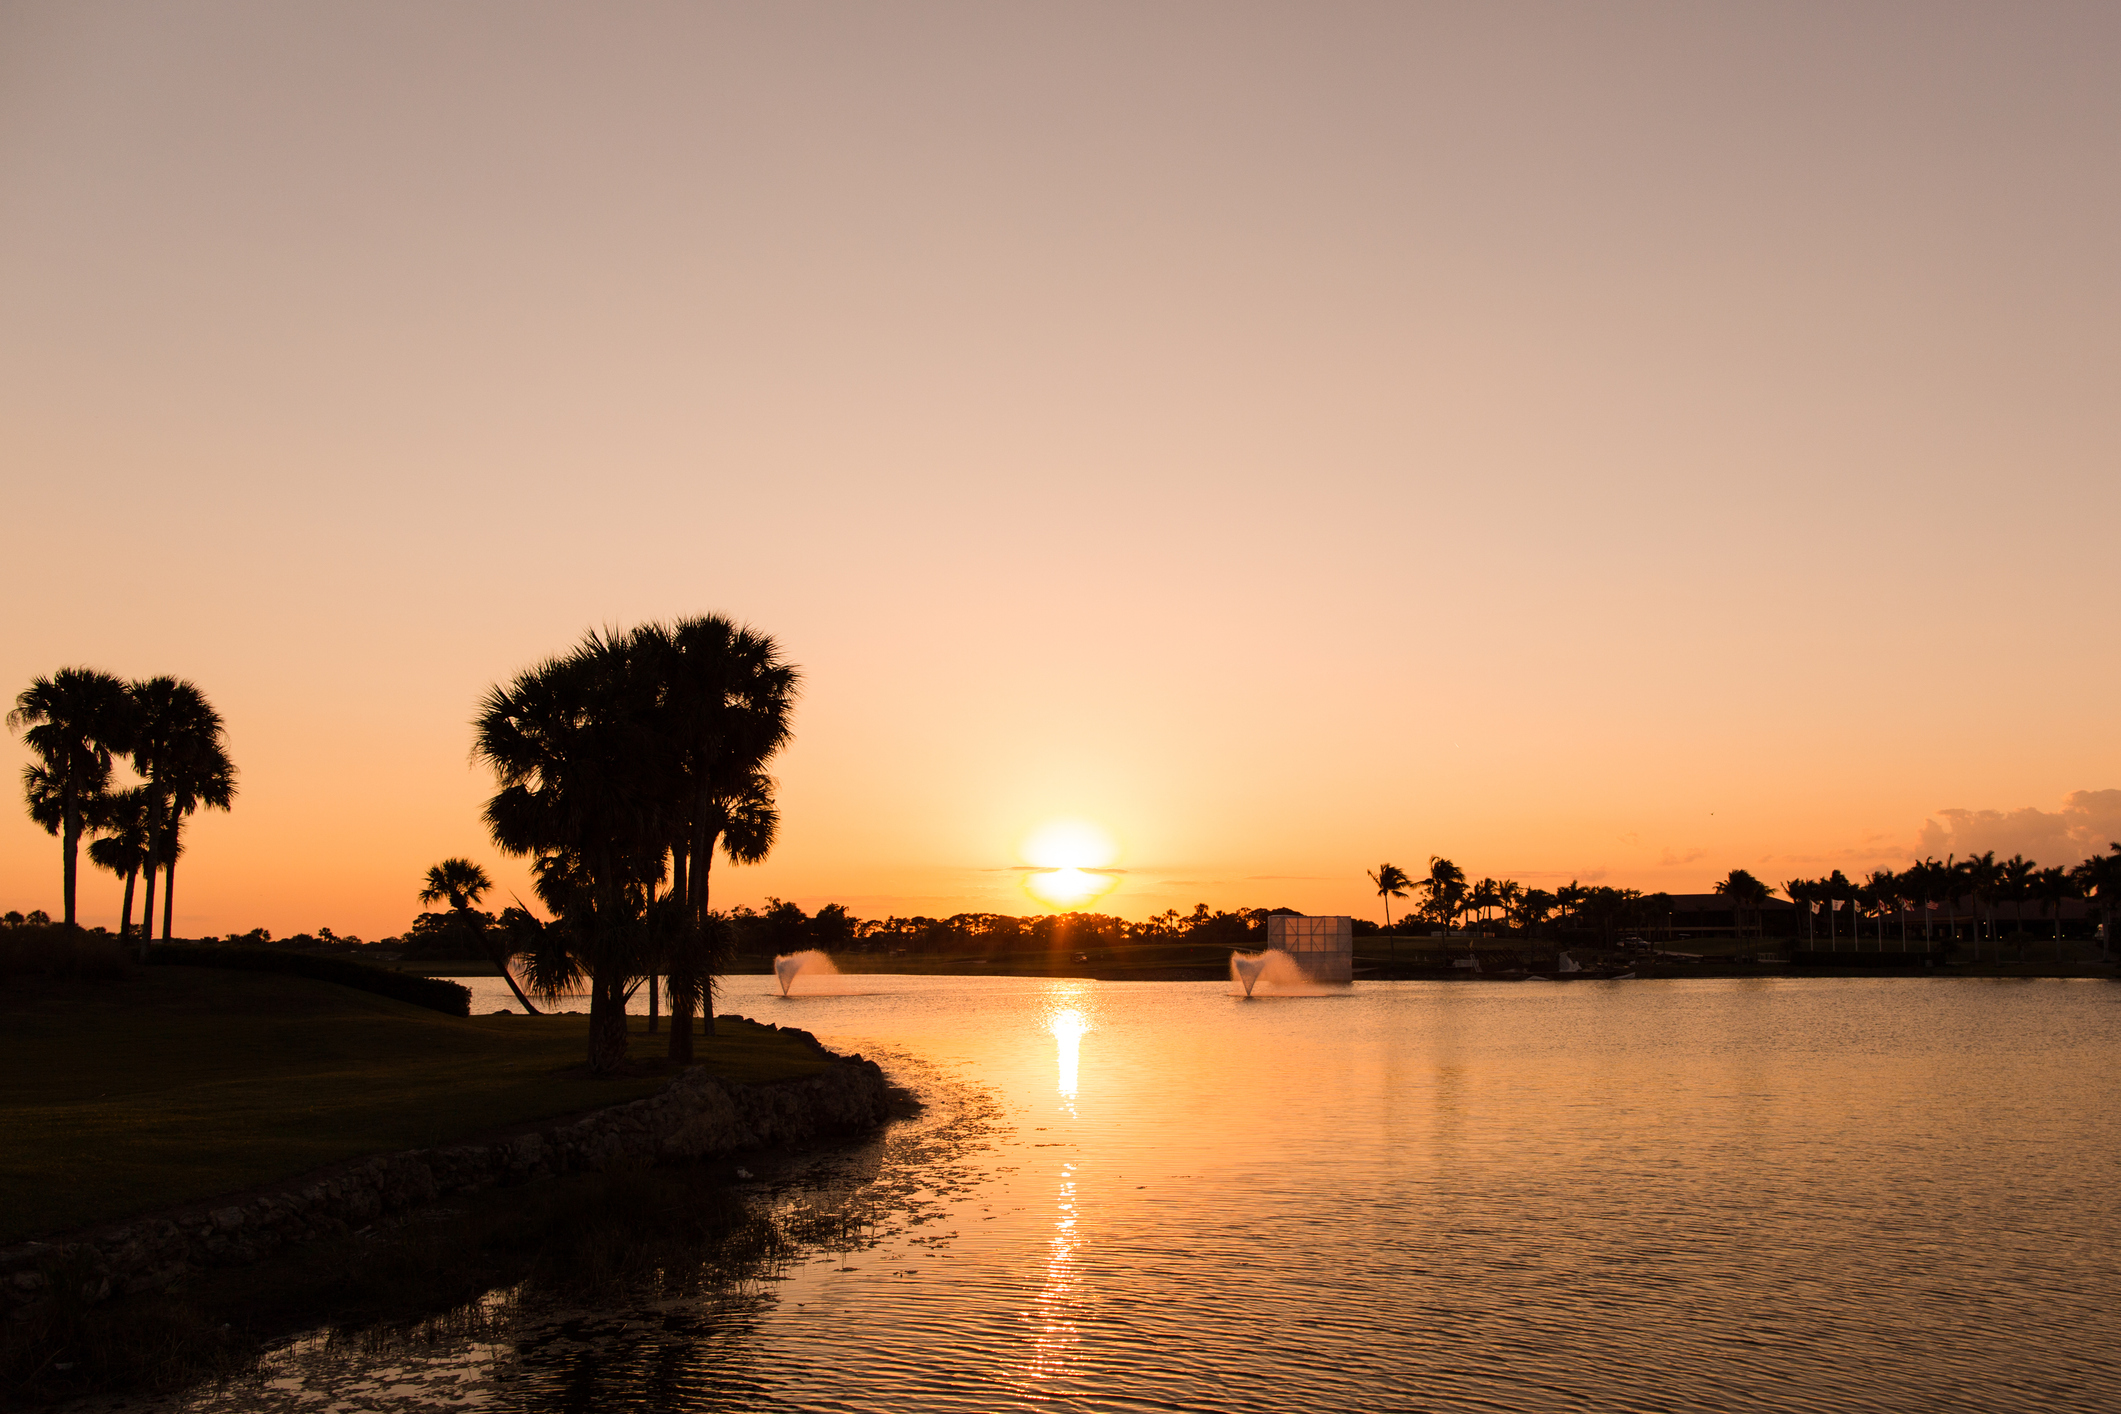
x=1618, y=442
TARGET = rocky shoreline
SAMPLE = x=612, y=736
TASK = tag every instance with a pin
x=693, y=1118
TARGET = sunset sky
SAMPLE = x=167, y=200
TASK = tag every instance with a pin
x=1615, y=442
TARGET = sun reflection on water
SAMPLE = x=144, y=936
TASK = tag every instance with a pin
x=1068, y=1028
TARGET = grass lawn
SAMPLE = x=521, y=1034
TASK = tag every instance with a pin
x=175, y=1084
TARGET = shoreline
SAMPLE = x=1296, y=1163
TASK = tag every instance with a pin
x=694, y=1118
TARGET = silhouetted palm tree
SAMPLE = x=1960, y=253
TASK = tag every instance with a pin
x=461, y=884
x=2053, y=886
x=1983, y=877
x=727, y=708
x=2098, y=879
x=179, y=751
x=74, y=721
x=201, y=776
x=573, y=749
x=1391, y=882
x=1445, y=887
x=121, y=820
x=1746, y=893
x=2014, y=883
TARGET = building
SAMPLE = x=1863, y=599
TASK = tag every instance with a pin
x=1324, y=947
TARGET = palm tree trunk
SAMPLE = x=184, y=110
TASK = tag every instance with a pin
x=125, y=918
x=169, y=893
x=147, y=905
x=70, y=873
x=607, y=1022
x=500, y=959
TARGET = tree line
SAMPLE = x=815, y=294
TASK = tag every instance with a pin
x=1445, y=898
x=1932, y=887
x=80, y=725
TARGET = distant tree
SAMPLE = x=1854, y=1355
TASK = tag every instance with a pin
x=1747, y=895
x=1566, y=898
x=1391, y=882
x=832, y=926
x=2053, y=887
x=2014, y=885
x=73, y=722
x=1445, y=889
x=2098, y=879
x=1532, y=908
x=1983, y=876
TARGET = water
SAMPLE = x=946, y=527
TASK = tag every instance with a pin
x=1791, y=1194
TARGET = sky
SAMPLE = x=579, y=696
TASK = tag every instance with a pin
x=1619, y=443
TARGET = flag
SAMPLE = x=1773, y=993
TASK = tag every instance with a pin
x=1815, y=905
x=1837, y=904
x=1930, y=906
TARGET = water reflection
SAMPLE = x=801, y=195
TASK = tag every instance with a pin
x=1052, y=1319
x=1068, y=1027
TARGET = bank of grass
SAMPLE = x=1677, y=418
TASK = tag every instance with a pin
x=170, y=1085
x=580, y=1239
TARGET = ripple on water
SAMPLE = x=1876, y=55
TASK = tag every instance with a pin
x=1794, y=1195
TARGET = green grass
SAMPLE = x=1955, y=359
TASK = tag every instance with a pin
x=176, y=1084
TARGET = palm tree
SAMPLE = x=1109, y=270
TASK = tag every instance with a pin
x=121, y=820
x=1483, y=896
x=201, y=775
x=74, y=721
x=572, y=747
x=2053, y=886
x=1984, y=876
x=2014, y=881
x=2099, y=880
x=1800, y=892
x=1392, y=882
x=1890, y=890
x=461, y=884
x=178, y=749
x=1445, y=887
x=728, y=702
x=1746, y=893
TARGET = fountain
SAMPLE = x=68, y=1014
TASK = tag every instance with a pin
x=1274, y=974
x=809, y=963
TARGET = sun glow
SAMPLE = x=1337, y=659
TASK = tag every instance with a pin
x=1069, y=859
x=1069, y=888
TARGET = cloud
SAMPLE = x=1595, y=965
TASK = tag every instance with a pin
x=1672, y=856
x=2087, y=822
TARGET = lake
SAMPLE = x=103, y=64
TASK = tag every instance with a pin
x=1733, y=1194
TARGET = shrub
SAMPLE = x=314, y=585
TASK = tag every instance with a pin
x=59, y=951
x=433, y=993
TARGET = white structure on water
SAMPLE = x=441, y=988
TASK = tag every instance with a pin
x=1323, y=947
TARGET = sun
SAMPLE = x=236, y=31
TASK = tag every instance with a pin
x=1070, y=862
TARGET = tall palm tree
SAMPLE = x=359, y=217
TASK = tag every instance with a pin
x=179, y=750
x=461, y=884
x=1392, y=882
x=201, y=776
x=573, y=749
x=121, y=820
x=75, y=721
x=727, y=710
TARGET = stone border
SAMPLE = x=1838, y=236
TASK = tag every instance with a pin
x=694, y=1117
